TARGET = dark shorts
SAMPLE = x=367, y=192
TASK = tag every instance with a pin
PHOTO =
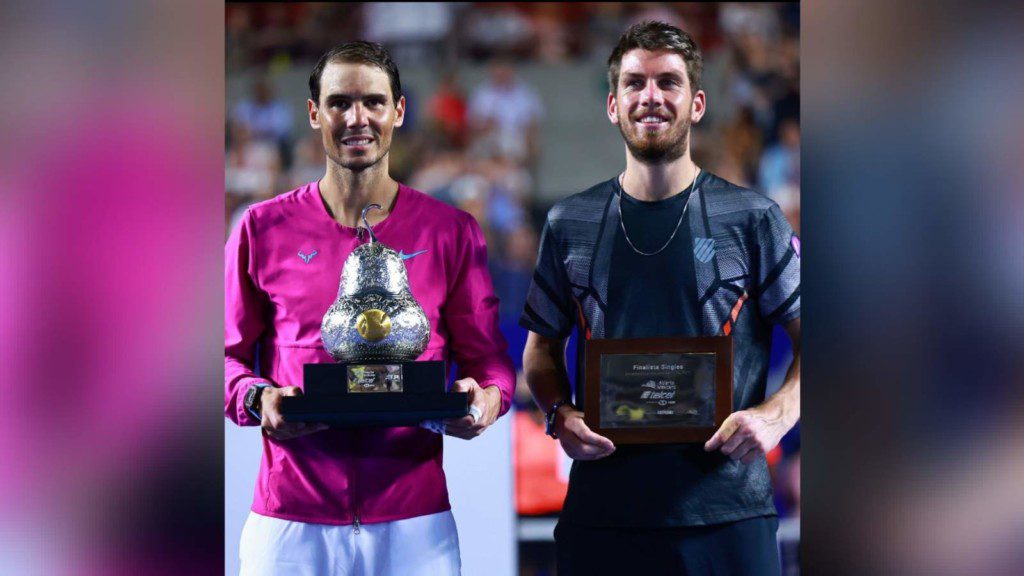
x=743, y=548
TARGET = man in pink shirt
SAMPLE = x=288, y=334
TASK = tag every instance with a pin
x=353, y=500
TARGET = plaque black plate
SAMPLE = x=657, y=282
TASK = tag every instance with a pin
x=657, y=390
x=377, y=398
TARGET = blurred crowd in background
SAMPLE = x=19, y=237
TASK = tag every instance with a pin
x=476, y=145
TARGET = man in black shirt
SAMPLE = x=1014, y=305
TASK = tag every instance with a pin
x=666, y=249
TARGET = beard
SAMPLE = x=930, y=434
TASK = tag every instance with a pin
x=359, y=163
x=656, y=148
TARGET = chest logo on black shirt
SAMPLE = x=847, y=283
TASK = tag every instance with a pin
x=704, y=249
x=307, y=257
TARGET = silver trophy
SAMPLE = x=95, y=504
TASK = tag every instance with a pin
x=375, y=316
x=375, y=330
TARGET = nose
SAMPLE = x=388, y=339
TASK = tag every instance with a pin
x=356, y=116
x=651, y=96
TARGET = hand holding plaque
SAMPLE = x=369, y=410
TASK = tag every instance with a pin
x=484, y=406
x=273, y=421
x=375, y=330
x=658, y=390
x=750, y=434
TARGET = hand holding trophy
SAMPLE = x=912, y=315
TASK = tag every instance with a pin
x=375, y=330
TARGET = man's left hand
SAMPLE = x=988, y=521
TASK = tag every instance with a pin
x=487, y=401
x=749, y=434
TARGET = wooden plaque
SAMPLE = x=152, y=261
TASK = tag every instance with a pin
x=657, y=390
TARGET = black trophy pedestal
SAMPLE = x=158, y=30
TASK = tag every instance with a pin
x=383, y=393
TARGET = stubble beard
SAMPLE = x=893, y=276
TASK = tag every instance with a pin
x=360, y=163
x=660, y=150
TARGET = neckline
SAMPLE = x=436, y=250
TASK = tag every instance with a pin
x=685, y=193
x=379, y=227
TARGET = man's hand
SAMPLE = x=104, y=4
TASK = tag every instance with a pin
x=749, y=434
x=487, y=401
x=272, y=421
x=578, y=441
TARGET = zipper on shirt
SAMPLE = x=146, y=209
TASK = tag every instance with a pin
x=353, y=474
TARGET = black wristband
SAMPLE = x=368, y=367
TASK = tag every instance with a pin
x=549, y=418
x=253, y=399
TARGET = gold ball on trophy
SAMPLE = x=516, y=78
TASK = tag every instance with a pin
x=373, y=325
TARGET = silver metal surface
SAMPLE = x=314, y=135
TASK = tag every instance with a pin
x=373, y=267
x=374, y=278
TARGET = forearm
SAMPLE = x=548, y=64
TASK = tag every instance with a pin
x=784, y=405
x=544, y=368
x=495, y=374
x=239, y=376
x=235, y=387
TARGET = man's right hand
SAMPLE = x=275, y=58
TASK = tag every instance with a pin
x=578, y=441
x=273, y=422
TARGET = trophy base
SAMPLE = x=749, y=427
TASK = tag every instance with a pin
x=383, y=393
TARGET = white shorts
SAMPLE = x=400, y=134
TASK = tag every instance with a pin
x=427, y=545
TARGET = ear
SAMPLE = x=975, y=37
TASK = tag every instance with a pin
x=613, y=109
x=698, y=107
x=314, y=114
x=400, y=112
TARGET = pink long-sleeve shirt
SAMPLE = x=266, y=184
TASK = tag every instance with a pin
x=283, y=265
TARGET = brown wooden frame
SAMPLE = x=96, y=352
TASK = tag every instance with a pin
x=721, y=346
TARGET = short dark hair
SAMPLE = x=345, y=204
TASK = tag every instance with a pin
x=357, y=52
x=653, y=36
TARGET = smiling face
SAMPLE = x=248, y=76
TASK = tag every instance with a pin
x=653, y=105
x=356, y=115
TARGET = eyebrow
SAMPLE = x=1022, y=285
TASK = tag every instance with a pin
x=674, y=75
x=343, y=96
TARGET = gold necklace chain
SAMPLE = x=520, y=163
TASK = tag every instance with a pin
x=682, y=215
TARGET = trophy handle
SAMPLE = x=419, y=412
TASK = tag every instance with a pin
x=373, y=237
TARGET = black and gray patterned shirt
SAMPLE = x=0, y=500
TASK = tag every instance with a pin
x=742, y=259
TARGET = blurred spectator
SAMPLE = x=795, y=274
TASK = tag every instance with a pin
x=276, y=40
x=510, y=179
x=447, y=111
x=743, y=141
x=512, y=270
x=239, y=35
x=413, y=31
x=606, y=23
x=736, y=18
x=307, y=161
x=497, y=29
x=438, y=169
x=253, y=166
x=504, y=114
x=779, y=176
x=551, y=31
x=266, y=118
x=470, y=192
x=657, y=11
x=322, y=25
